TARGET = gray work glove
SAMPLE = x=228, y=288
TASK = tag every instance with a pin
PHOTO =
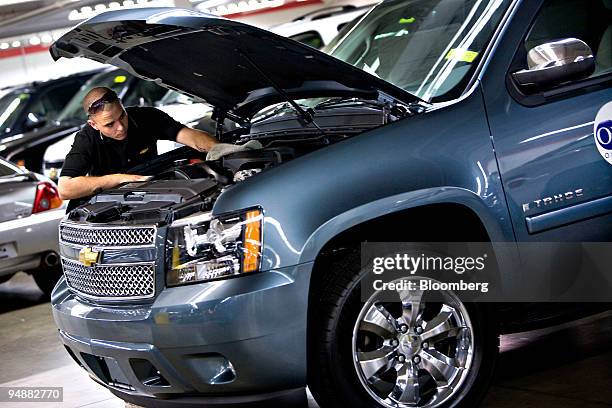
x=223, y=149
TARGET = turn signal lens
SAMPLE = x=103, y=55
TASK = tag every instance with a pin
x=252, y=241
x=46, y=197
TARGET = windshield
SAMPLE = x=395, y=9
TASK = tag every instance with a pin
x=11, y=105
x=115, y=80
x=7, y=169
x=426, y=47
x=175, y=98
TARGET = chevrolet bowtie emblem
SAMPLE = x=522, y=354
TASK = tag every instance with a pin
x=88, y=257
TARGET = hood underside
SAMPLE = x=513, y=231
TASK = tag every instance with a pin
x=233, y=66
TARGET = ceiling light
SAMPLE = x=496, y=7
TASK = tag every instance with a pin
x=34, y=41
x=16, y=44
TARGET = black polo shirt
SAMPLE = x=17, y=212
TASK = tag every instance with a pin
x=95, y=155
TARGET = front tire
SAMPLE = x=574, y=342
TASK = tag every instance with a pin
x=409, y=353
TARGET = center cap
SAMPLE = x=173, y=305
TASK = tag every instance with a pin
x=409, y=345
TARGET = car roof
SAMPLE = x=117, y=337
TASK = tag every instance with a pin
x=37, y=85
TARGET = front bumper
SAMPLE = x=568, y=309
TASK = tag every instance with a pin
x=28, y=239
x=238, y=338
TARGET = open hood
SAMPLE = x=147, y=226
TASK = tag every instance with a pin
x=230, y=65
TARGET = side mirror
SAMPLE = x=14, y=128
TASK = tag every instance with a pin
x=34, y=121
x=554, y=63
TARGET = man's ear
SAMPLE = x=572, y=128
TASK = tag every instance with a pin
x=92, y=124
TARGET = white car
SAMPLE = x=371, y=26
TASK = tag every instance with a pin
x=318, y=28
x=30, y=212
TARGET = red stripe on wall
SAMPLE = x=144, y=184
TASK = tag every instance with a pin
x=33, y=49
x=16, y=52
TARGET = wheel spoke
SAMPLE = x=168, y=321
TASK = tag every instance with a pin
x=375, y=362
x=377, y=321
x=464, y=339
x=411, y=306
x=443, y=369
x=441, y=326
x=407, y=387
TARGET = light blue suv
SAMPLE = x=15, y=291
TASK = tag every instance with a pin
x=239, y=280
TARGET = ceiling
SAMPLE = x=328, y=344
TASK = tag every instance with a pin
x=33, y=16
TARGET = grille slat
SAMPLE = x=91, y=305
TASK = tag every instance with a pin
x=111, y=281
x=108, y=236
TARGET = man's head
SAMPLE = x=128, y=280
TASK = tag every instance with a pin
x=106, y=113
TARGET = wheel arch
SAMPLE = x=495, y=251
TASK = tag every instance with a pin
x=462, y=222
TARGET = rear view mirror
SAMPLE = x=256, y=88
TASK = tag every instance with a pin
x=554, y=63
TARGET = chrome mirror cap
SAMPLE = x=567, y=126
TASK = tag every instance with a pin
x=554, y=63
x=558, y=53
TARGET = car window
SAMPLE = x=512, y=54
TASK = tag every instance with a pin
x=56, y=99
x=144, y=93
x=311, y=38
x=11, y=106
x=116, y=80
x=7, y=169
x=175, y=98
x=589, y=21
x=426, y=47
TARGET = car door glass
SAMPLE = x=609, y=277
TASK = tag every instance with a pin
x=589, y=21
x=12, y=105
x=144, y=93
x=7, y=169
x=57, y=98
x=311, y=38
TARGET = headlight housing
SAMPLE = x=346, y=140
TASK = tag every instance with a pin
x=202, y=248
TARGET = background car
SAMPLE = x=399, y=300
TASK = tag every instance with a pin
x=30, y=106
x=30, y=211
x=318, y=28
x=29, y=148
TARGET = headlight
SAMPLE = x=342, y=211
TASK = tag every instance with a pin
x=202, y=248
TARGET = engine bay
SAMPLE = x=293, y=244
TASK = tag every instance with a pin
x=182, y=181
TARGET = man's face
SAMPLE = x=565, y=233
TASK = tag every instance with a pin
x=112, y=121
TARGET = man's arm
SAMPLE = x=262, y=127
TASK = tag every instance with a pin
x=196, y=139
x=70, y=188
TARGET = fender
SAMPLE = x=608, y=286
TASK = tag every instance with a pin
x=444, y=155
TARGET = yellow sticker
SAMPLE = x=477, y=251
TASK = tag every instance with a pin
x=143, y=151
x=407, y=20
x=461, y=54
x=119, y=79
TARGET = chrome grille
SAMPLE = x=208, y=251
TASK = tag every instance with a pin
x=111, y=281
x=107, y=236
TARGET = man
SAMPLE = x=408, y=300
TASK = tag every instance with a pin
x=116, y=139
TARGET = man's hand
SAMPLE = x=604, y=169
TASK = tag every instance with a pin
x=70, y=188
x=223, y=149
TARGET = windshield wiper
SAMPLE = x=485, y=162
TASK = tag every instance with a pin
x=305, y=117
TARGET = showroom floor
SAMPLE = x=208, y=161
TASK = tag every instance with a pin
x=567, y=366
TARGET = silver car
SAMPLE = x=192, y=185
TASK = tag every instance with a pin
x=30, y=211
